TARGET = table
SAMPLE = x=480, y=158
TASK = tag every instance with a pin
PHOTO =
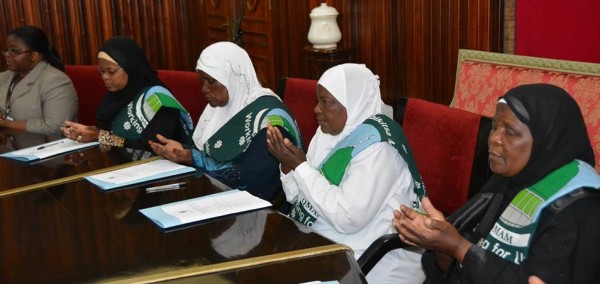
x=17, y=176
x=75, y=232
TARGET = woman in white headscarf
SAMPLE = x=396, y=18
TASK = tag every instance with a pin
x=357, y=169
x=230, y=137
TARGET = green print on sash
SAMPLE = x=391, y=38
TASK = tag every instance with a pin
x=158, y=100
x=133, y=119
x=387, y=130
x=511, y=235
x=278, y=120
x=336, y=165
x=378, y=128
x=157, y=97
x=233, y=138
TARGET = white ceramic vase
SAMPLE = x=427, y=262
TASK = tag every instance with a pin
x=324, y=32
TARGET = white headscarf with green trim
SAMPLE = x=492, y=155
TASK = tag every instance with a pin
x=231, y=66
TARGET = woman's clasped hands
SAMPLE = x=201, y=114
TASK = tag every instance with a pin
x=171, y=150
x=430, y=230
x=284, y=150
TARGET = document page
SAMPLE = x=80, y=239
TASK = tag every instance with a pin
x=203, y=208
x=139, y=173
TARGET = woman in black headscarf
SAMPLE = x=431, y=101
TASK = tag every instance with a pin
x=538, y=213
x=137, y=106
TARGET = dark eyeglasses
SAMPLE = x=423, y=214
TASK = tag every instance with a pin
x=13, y=52
x=108, y=71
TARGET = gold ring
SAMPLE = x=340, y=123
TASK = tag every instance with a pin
x=78, y=138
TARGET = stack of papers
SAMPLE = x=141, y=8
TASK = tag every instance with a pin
x=47, y=150
x=203, y=208
x=138, y=174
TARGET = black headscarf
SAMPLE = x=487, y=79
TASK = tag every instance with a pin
x=37, y=41
x=558, y=130
x=140, y=74
x=559, y=136
x=556, y=125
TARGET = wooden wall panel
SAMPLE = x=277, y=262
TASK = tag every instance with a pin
x=258, y=39
x=411, y=44
x=166, y=30
x=257, y=31
x=376, y=27
x=291, y=34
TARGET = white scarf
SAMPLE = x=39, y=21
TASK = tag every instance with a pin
x=231, y=66
x=357, y=89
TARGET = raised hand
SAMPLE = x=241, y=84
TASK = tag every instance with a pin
x=284, y=150
x=79, y=132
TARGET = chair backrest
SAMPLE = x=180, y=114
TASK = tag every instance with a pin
x=300, y=96
x=450, y=149
x=482, y=77
x=185, y=86
x=90, y=90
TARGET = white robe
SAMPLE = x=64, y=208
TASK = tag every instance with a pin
x=360, y=209
x=377, y=180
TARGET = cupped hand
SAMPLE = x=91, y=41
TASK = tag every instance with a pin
x=284, y=150
x=535, y=280
x=79, y=132
x=171, y=150
x=430, y=231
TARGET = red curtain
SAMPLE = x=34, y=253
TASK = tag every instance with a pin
x=568, y=30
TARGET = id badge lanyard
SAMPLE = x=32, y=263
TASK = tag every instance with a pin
x=6, y=113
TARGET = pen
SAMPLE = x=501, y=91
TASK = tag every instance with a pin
x=48, y=145
x=166, y=187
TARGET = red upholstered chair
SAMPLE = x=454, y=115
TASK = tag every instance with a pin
x=187, y=88
x=482, y=77
x=300, y=96
x=450, y=149
x=90, y=90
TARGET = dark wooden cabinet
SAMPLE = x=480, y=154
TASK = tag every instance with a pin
x=320, y=60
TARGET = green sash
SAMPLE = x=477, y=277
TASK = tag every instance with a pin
x=131, y=121
x=511, y=235
x=233, y=138
x=377, y=128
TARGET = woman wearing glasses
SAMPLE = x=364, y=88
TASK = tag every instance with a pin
x=35, y=94
x=137, y=106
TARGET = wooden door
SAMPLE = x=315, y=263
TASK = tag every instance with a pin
x=256, y=26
